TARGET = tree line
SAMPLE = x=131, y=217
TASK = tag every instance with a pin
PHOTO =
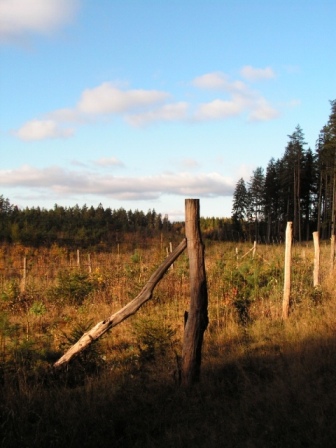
x=75, y=226
x=298, y=187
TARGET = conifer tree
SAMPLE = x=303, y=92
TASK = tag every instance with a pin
x=239, y=207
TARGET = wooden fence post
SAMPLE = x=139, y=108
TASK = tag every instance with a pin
x=197, y=317
x=332, y=252
x=316, y=258
x=24, y=275
x=89, y=263
x=287, y=279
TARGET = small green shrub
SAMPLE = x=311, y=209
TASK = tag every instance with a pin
x=38, y=309
x=11, y=291
x=154, y=339
x=88, y=362
x=72, y=288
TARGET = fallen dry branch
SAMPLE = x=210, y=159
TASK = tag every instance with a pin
x=128, y=310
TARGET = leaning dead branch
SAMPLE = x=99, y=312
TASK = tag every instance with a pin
x=131, y=308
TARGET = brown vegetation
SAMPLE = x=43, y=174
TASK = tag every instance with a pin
x=264, y=382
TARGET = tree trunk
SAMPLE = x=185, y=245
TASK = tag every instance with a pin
x=197, y=320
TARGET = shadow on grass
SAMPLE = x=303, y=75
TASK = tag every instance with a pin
x=268, y=397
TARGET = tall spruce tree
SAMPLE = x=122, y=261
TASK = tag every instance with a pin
x=326, y=151
x=272, y=200
x=256, y=196
x=292, y=178
x=239, y=207
x=309, y=189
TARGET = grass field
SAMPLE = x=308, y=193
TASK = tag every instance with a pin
x=264, y=382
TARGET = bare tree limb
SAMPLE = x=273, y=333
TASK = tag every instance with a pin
x=128, y=310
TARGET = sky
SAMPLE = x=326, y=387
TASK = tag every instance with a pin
x=140, y=104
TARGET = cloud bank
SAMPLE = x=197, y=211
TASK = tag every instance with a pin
x=140, y=107
x=19, y=18
x=67, y=183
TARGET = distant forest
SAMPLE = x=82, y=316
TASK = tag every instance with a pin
x=299, y=187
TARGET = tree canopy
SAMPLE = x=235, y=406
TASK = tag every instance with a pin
x=297, y=187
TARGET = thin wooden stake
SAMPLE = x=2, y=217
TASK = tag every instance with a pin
x=332, y=252
x=89, y=263
x=287, y=279
x=254, y=249
x=316, y=259
x=24, y=275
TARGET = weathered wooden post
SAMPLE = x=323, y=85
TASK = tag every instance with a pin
x=254, y=249
x=24, y=275
x=89, y=263
x=332, y=252
x=316, y=259
x=197, y=317
x=287, y=279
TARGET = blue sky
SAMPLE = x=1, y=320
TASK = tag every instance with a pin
x=140, y=104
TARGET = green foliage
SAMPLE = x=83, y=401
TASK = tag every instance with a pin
x=155, y=341
x=250, y=281
x=7, y=332
x=73, y=287
x=38, y=309
x=74, y=226
x=136, y=257
x=11, y=291
x=86, y=363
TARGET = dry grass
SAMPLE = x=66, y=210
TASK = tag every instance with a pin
x=264, y=382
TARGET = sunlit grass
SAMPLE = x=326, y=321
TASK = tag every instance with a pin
x=264, y=382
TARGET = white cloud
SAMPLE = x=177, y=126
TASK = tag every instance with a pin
x=262, y=111
x=168, y=112
x=67, y=183
x=21, y=17
x=41, y=130
x=104, y=99
x=139, y=107
x=108, y=161
x=242, y=99
x=65, y=115
x=256, y=74
x=107, y=99
x=218, y=109
x=216, y=80
x=220, y=81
